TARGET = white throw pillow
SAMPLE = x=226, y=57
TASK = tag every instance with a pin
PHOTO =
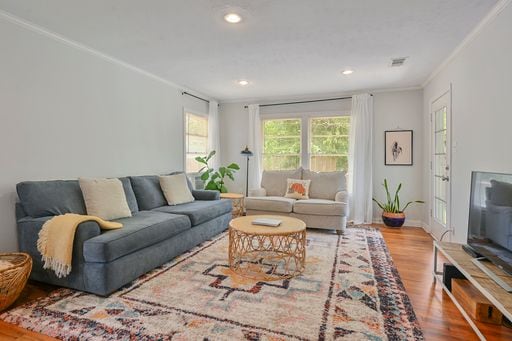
x=175, y=188
x=105, y=198
x=297, y=189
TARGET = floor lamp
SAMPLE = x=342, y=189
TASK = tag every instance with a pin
x=247, y=153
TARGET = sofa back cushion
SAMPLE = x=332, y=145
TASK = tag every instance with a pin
x=48, y=198
x=274, y=182
x=148, y=192
x=325, y=185
x=130, y=195
x=54, y=197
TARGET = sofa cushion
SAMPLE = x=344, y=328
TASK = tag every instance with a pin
x=199, y=211
x=54, y=197
x=274, y=182
x=148, y=192
x=272, y=204
x=143, y=229
x=176, y=189
x=297, y=189
x=105, y=198
x=320, y=207
x=325, y=185
x=48, y=198
x=130, y=196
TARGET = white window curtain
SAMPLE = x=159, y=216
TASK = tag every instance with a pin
x=254, y=143
x=361, y=159
x=214, y=133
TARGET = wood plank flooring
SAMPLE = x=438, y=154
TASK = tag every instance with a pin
x=411, y=250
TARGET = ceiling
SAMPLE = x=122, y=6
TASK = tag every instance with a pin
x=284, y=48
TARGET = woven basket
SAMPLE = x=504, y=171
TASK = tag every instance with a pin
x=14, y=277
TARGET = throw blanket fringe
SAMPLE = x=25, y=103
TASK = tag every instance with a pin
x=56, y=239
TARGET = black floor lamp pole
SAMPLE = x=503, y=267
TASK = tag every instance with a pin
x=247, y=153
x=247, y=179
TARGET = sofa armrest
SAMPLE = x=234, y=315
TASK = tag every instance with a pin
x=202, y=194
x=258, y=192
x=28, y=234
x=341, y=196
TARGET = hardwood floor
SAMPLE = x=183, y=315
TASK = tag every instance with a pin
x=411, y=250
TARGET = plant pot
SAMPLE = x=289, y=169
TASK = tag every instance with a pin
x=393, y=219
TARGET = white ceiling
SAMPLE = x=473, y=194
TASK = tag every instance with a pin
x=284, y=47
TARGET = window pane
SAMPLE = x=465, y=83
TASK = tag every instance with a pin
x=196, y=140
x=281, y=162
x=328, y=143
x=197, y=125
x=330, y=126
x=322, y=163
x=192, y=166
x=197, y=144
x=289, y=127
x=281, y=144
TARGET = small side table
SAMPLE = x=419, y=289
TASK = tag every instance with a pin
x=238, y=203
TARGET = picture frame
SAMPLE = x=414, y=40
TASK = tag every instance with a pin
x=398, y=148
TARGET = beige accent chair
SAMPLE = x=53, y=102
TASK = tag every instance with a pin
x=327, y=207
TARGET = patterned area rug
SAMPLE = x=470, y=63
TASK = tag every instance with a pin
x=350, y=290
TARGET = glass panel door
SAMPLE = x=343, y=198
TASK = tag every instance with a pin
x=440, y=166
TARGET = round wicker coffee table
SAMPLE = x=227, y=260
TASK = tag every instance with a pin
x=267, y=253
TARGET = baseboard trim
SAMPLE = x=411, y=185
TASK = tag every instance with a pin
x=408, y=222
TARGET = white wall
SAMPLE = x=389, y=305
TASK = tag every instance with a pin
x=404, y=110
x=392, y=109
x=481, y=79
x=66, y=112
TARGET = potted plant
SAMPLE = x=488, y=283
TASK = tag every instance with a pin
x=215, y=179
x=392, y=214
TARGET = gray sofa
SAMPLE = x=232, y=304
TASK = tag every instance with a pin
x=104, y=261
x=327, y=207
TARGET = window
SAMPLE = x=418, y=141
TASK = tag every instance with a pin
x=312, y=141
x=281, y=144
x=328, y=143
x=196, y=140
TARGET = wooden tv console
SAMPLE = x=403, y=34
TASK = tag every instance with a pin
x=498, y=296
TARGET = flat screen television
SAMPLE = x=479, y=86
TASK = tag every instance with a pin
x=490, y=218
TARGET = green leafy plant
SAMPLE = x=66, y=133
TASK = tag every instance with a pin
x=215, y=179
x=393, y=205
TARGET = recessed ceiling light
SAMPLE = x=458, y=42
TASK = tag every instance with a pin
x=347, y=72
x=243, y=82
x=232, y=18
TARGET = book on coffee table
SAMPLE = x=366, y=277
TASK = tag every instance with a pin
x=267, y=222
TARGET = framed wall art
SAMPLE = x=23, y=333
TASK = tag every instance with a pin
x=398, y=148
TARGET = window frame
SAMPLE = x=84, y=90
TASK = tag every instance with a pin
x=184, y=130
x=305, y=128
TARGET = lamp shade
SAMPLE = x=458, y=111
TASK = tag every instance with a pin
x=246, y=152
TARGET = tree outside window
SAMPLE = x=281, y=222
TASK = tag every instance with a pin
x=327, y=137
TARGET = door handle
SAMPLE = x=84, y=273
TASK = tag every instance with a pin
x=445, y=178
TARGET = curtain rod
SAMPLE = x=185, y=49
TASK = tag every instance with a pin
x=300, y=102
x=192, y=95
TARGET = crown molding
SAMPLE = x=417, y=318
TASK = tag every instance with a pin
x=493, y=14
x=263, y=100
x=13, y=19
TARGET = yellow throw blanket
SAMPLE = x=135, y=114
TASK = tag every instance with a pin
x=56, y=238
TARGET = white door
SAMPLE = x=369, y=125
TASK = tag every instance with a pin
x=440, y=165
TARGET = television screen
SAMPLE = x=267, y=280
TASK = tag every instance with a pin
x=490, y=217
